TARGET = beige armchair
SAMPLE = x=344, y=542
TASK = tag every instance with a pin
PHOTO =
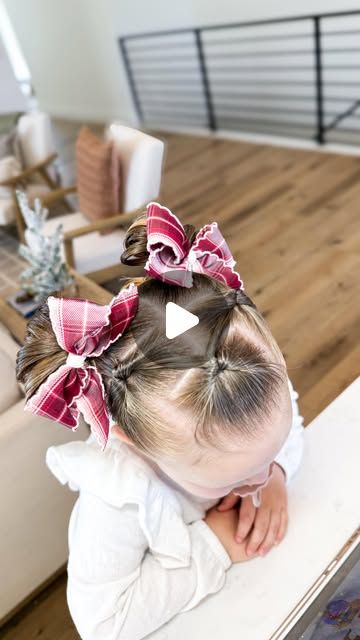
x=36, y=175
x=95, y=254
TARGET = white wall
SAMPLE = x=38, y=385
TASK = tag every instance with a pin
x=72, y=52
x=11, y=98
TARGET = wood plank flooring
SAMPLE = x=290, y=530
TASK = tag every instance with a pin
x=291, y=218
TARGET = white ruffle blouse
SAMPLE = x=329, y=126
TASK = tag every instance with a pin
x=139, y=549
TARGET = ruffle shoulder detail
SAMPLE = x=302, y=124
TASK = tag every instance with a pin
x=119, y=477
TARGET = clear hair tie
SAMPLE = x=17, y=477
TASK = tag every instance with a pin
x=75, y=360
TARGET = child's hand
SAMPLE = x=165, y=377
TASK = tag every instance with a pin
x=269, y=520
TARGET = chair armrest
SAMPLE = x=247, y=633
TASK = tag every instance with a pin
x=117, y=220
x=56, y=194
x=14, y=180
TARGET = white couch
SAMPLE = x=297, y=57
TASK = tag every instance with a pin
x=34, y=508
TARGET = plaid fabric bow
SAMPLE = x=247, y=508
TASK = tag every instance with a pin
x=83, y=329
x=172, y=260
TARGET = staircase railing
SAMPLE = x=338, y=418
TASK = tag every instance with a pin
x=295, y=77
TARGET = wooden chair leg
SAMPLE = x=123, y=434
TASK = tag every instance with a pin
x=19, y=220
x=52, y=185
x=69, y=252
x=48, y=179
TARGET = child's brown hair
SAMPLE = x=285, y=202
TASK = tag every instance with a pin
x=225, y=373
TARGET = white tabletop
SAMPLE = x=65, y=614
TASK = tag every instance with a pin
x=324, y=511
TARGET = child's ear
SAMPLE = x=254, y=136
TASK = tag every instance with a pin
x=121, y=434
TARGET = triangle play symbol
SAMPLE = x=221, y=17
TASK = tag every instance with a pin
x=178, y=320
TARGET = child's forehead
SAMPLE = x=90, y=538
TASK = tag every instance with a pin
x=249, y=452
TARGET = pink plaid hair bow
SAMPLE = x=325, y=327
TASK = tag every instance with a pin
x=172, y=260
x=83, y=329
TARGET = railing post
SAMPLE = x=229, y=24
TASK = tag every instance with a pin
x=205, y=80
x=131, y=80
x=320, y=131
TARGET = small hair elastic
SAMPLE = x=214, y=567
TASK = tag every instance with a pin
x=83, y=329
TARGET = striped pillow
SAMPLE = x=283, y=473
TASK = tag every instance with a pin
x=98, y=176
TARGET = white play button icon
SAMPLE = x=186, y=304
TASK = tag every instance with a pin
x=178, y=320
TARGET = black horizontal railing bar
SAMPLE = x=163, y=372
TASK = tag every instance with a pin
x=281, y=123
x=262, y=109
x=260, y=54
x=153, y=46
x=278, y=67
x=277, y=123
x=240, y=25
x=260, y=67
x=282, y=36
x=300, y=135
x=273, y=83
x=174, y=113
x=345, y=130
x=246, y=54
x=162, y=81
x=208, y=43
x=255, y=54
x=157, y=34
x=241, y=69
x=148, y=91
x=176, y=101
x=241, y=40
x=165, y=118
x=164, y=69
x=328, y=98
x=285, y=52
x=173, y=80
x=352, y=115
x=342, y=67
x=181, y=56
x=149, y=109
x=220, y=81
x=341, y=50
x=342, y=83
x=174, y=92
x=268, y=96
x=352, y=32
x=174, y=45
x=168, y=118
x=274, y=124
x=261, y=96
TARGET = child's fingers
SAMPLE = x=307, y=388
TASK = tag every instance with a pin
x=247, y=514
x=283, y=524
x=261, y=527
x=272, y=533
x=228, y=502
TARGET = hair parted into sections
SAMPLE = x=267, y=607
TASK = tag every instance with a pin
x=226, y=373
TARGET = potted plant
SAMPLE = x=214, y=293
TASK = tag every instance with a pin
x=47, y=272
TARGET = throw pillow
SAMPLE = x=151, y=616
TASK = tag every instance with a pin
x=98, y=176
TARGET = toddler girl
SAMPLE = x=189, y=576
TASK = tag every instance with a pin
x=199, y=435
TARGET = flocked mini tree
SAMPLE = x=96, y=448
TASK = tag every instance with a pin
x=48, y=271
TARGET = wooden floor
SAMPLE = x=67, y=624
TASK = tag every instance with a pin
x=291, y=218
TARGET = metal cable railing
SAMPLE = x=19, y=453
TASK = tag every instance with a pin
x=295, y=76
